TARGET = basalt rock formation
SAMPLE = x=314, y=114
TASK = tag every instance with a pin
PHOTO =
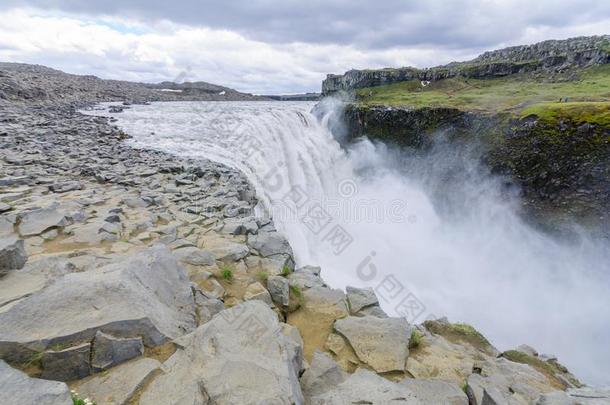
x=548, y=56
x=538, y=114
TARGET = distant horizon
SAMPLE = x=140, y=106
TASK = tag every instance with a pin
x=275, y=48
x=292, y=93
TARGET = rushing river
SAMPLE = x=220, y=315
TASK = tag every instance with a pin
x=434, y=235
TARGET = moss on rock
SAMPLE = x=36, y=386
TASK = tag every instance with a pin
x=551, y=370
x=460, y=333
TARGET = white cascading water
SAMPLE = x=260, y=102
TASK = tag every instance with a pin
x=435, y=235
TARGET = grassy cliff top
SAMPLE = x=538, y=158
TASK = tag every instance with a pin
x=516, y=93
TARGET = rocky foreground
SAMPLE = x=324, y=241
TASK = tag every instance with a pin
x=131, y=276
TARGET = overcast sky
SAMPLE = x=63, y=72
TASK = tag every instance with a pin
x=276, y=46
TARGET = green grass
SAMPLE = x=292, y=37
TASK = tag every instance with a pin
x=579, y=112
x=286, y=271
x=77, y=400
x=227, y=274
x=510, y=93
x=262, y=276
x=35, y=359
x=460, y=333
x=295, y=290
x=548, y=369
x=416, y=339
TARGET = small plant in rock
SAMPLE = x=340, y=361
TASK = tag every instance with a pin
x=415, y=340
x=286, y=271
x=34, y=359
x=263, y=276
x=77, y=400
x=298, y=294
x=227, y=274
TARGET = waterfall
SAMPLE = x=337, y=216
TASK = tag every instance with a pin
x=434, y=234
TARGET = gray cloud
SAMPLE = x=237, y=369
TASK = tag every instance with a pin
x=275, y=46
x=361, y=23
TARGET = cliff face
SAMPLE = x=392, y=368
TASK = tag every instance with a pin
x=539, y=113
x=561, y=165
x=548, y=56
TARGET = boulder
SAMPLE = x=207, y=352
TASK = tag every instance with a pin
x=108, y=351
x=195, y=256
x=436, y=391
x=230, y=251
x=315, y=318
x=322, y=375
x=240, y=226
x=120, y=384
x=270, y=244
x=12, y=254
x=381, y=343
x=530, y=351
x=146, y=295
x=6, y=226
x=207, y=305
x=366, y=387
x=32, y=277
x=212, y=288
x=5, y=207
x=363, y=301
x=134, y=202
x=576, y=396
x=93, y=233
x=17, y=388
x=39, y=220
x=279, y=289
x=239, y=357
x=295, y=347
x=504, y=381
x=306, y=277
x=256, y=291
x=557, y=398
x=590, y=394
x=66, y=186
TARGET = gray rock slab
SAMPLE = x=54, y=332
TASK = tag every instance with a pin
x=17, y=387
x=366, y=387
x=279, y=288
x=108, y=351
x=270, y=244
x=195, y=256
x=146, y=295
x=436, y=391
x=239, y=357
x=382, y=343
x=39, y=220
x=322, y=375
x=69, y=364
x=12, y=254
x=119, y=385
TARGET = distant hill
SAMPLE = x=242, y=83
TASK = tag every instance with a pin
x=36, y=83
x=553, y=56
x=296, y=97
